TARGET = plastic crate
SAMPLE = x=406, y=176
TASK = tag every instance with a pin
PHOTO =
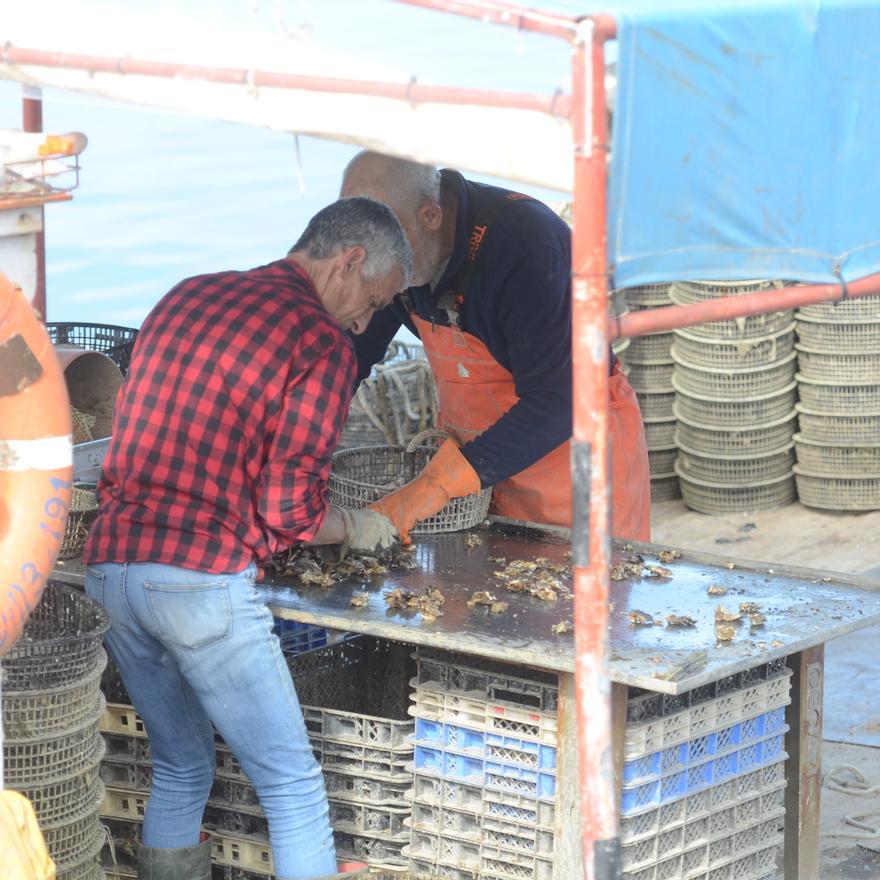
x=832, y=492
x=355, y=788
x=714, y=498
x=494, y=717
x=297, y=637
x=735, y=440
x=384, y=852
x=487, y=680
x=122, y=719
x=252, y=853
x=736, y=353
x=127, y=775
x=656, y=405
x=357, y=728
x=480, y=771
x=435, y=791
x=497, y=747
x=127, y=748
x=122, y=804
x=665, y=487
x=832, y=398
x=375, y=763
x=365, y=819
x=730, y=382
x=114, y=341
x=220, y=818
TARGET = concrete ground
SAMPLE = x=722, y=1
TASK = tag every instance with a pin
x=835, y=542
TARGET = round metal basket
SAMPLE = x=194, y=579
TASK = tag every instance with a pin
x=60, y=644
x=750, y=327
x=364, y=475
x=711, y=498
x=734, y=471
x=69, y=845
x=656, y=404
x=830, y=492
x=702, y=291
x=740, y=354
x=736, y=440
x=839, y=461
x=723, y=412
x=664, y=487
x=650, y=349
x=843, y=367
x=57, y=799
x=90, y=867
x=648, y=295
x=650, y=378
x=659, y=433
x=852, y=429
x=34, y=761
x=865, y=308
x=835, y=336
x=731, y=383
x=830, y=397
x=662, y=461
x=82, y=513
x=40, y=712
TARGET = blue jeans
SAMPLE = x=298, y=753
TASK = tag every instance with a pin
x=195, y=649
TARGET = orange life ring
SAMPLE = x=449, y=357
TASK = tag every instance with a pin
x=36, y=461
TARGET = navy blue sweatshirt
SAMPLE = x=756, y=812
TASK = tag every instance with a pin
x=519, y=305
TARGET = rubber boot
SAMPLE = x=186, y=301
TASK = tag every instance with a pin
x=181, y=863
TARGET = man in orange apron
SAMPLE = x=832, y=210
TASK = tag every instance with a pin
x=491, y=303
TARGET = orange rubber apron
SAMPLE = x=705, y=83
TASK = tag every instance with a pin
x=475, y=391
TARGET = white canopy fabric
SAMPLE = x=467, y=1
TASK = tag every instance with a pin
x=363, y=40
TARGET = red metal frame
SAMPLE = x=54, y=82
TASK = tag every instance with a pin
x=590, y=329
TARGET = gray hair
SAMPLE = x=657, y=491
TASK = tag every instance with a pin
x=359, y=221
x=407, y=185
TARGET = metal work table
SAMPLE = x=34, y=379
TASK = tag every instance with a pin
x=804, y=609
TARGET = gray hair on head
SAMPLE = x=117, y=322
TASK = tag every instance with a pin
x=359, y=221
x=406, y=184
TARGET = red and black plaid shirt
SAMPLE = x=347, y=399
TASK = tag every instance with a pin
x=223, y=431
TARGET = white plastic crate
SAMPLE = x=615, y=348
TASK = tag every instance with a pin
x=364, y=819
x=357, y=728
x=373, y=762
x=376, y=850
x=438, y=705
x=643, y=738
x=356, y=788
x=436, y=791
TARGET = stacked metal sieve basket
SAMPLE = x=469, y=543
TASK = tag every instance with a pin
x=649, y=368
x=52, y=705
x=735, y=396
x=838, y=447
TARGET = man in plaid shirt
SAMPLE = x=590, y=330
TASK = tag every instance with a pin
x=238, y=389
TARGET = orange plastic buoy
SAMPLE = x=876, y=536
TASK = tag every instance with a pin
x=36, y=461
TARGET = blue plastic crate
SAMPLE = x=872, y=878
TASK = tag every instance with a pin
x=298, y=637
x=491, y=774
x=648, y=767
x=499, y=747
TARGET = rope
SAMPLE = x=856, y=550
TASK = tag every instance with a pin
x=847, y=779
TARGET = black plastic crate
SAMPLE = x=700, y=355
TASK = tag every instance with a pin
x=114, y=341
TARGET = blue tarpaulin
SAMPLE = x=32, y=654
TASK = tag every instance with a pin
x=746, y=141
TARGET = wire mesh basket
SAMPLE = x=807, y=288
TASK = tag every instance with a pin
x=830, y=397
x=617, y=303
x=843, y=367
x=83, y=512
x=723, y=412
x=735, y=440
x=656, y=404
x=89, y=868
x=732, y=383
x=659, y=433
x=398, y=401
x=829, y=492
x=839, y=461
x=70, y=840
x=39, y=712
x=664, y=487
x=662, y=461
x=703, y=291
x=116, y=342
x=865, y=308
x=732, y=470
x=834, y=336
x=57, y=799
x=645, y=296
x=735, y=353
x=60, y=644
x=37, y=760
x=735, y=328
x=711, y=498
x=650, y=378
x=650, y=349
x=364, y=475
x=853, y=429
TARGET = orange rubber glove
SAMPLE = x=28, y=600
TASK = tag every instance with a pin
x=23, y=854
x=448, y=475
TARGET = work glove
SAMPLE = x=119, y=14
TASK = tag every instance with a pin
x=367, y=531
x=23, y=852
x=448, y=475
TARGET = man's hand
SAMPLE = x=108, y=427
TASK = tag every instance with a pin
x=448, y=475
x=367, y=531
